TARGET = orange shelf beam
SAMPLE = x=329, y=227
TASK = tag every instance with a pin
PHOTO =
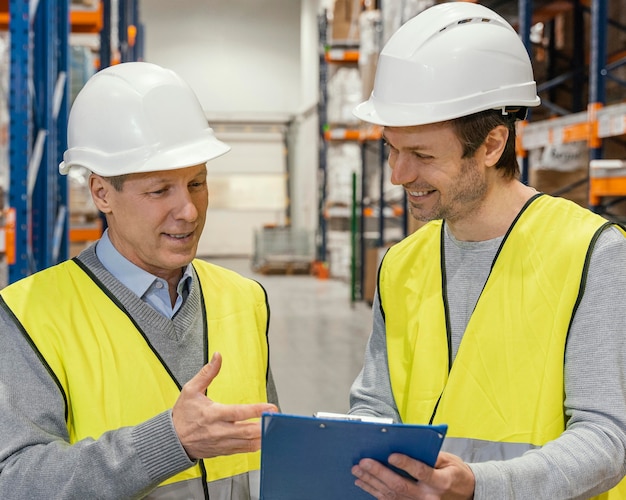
x=4, y=15
x=578, y=132
x=81, y=20
x=341, y=55
x=86, y=233
x=605, y=186
x=344, y=134
x=87, y=20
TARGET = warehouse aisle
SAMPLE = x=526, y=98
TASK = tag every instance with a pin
x=317, y=338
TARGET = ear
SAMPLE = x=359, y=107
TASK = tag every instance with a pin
x=495, y=144
x=100, y=192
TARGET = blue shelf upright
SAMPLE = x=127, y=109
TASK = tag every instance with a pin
x=130, y=30
x=38, y=115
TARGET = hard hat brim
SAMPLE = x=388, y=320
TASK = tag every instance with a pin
x=145, y=159
x=403, y=115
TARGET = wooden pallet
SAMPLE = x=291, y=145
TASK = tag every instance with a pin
x=282, y=267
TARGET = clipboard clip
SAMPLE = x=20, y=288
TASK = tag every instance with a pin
x=354, y=418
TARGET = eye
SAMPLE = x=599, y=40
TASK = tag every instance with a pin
x=422, y=156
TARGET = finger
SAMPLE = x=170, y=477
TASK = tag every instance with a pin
x=367, y=479
x=416, y=469
x=201, y=380
x=222, y=439
x=237, y=430
x=386, y=482
x=241, y=413
x=368, y=488
x=227, y=438
x=233, y=446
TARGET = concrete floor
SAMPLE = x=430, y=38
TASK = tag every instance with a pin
x=317, y=338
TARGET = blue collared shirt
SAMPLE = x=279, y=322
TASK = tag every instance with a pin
x=149, y=288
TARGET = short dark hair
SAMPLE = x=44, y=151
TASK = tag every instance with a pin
x=472, y=130
x=117, y=181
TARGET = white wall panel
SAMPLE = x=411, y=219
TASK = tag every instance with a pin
x=231, y=232
x=250, y=153
x=248, y=61
x=247, y=190
x=239, y=56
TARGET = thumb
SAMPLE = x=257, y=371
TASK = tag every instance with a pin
x=205, y=376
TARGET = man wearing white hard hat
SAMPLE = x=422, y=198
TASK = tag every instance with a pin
x=136, y=370
x=502, y=316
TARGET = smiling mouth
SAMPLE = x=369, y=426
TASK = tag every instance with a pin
x=179, y=236
x=419, y=194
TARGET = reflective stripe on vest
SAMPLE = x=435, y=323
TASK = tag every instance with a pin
x=476, y=450
x=115, y=379
x=244, y=486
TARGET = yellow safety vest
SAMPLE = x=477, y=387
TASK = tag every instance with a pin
x=111, y=377
x=506, y=384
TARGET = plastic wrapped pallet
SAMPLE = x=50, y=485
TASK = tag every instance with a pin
x=343, y=160
x=344, y=93
x=561, y=169
x=397, y=12
x=339, y=250
x=370, y=30
x=283, y=250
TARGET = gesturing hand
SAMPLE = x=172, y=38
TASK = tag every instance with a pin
x=208, y=429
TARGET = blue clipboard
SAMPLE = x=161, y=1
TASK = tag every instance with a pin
x=310, y=458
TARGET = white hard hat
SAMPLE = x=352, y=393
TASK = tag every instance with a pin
x=137, y=117
x=451, y=60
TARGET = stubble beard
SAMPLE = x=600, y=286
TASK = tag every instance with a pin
x=467, y=195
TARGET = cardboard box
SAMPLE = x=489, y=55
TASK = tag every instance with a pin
x=373, y=258
x=345, y=22
x=571, y=185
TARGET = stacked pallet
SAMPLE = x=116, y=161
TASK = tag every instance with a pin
x=283, y=250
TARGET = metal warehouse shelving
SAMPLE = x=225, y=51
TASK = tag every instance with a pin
x=38, y=114
x=601, y=119
x=366, y=220
x=37, y=231
x=581, y=114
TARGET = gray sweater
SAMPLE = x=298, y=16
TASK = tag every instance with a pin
x=590, y=456
x=36, y=459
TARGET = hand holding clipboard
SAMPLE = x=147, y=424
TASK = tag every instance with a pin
x=310, y=458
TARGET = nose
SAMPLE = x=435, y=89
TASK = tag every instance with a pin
x=403, y=171
x=186, y=208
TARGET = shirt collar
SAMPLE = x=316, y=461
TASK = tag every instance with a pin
x=131, y=276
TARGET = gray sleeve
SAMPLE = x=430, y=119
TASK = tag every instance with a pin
x=272, y=393
x=36, y=458
x=371, y=391
x=589, y=457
